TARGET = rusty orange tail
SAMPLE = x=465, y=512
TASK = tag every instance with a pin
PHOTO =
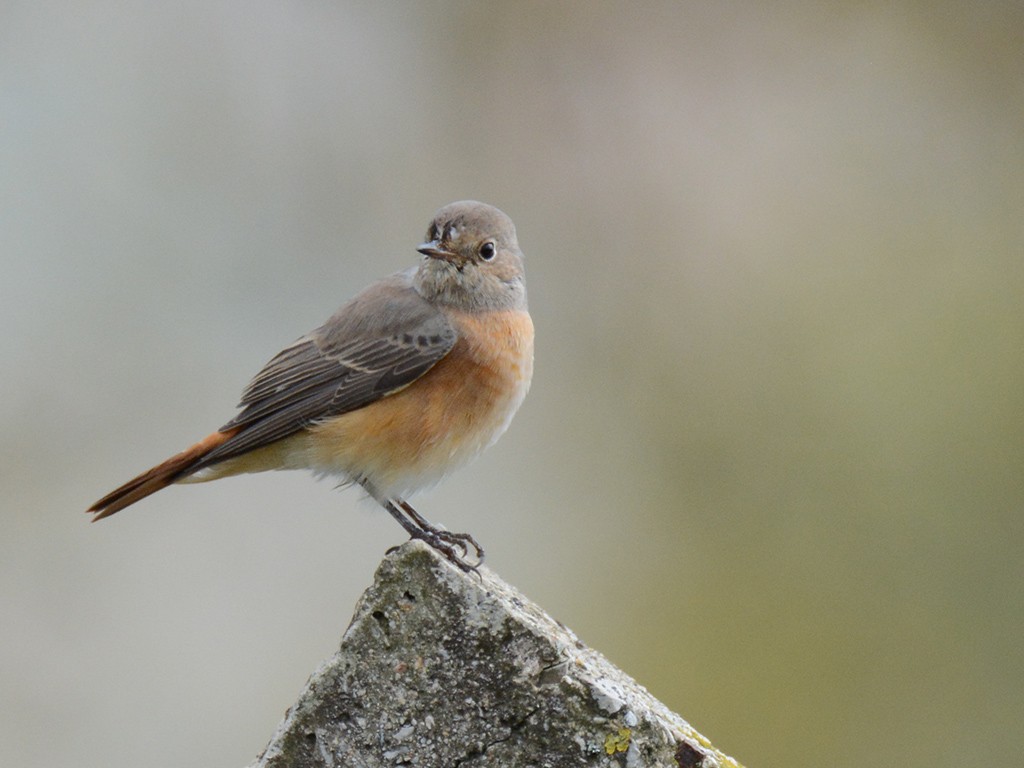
x=158, y=477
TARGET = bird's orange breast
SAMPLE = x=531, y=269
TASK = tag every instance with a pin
x=414, y=437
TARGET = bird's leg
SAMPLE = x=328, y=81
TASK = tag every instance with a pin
x=461, y=540
x=447, y=543
x=418, y=527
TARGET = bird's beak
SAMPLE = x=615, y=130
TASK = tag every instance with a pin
x=435, y=250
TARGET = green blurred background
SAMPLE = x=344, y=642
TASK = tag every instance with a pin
x=772, y=460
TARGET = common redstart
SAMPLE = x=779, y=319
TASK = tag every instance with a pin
x=411, y=379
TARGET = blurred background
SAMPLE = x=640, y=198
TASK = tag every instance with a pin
x=772, y=460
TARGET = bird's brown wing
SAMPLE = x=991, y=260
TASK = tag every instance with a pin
x=380, y=342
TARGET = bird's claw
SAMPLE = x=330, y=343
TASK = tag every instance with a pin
x=451, y=545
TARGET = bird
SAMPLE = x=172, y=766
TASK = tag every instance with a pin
x=412, y=378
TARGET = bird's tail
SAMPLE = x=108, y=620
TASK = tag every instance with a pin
x=158, y=477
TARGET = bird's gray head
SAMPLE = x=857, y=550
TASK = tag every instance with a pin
x=472, y=259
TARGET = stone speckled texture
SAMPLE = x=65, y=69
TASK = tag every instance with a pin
x=442, y=668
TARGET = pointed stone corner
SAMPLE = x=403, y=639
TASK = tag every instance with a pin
x=442, y=668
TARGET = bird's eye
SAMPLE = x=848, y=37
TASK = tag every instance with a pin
x=487, y=251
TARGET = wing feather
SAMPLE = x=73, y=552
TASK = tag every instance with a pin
x=379, y=343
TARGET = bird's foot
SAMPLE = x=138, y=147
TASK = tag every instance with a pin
x=454, y=546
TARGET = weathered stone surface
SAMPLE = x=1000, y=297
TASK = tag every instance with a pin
x=442, y=668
